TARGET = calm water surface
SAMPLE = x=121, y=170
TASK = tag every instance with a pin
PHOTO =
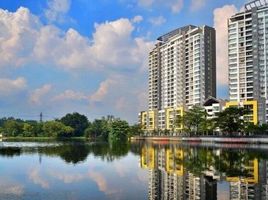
x=80, y=170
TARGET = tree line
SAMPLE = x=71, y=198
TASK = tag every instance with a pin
x=232, y=121
x=71, y=125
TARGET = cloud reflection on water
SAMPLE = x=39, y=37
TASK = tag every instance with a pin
x=36, y=177
x=8, y=187
x=45, y=173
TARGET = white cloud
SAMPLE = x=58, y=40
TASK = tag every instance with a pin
x=112, y=50
x=103, y=90
x=18, y=34
x=108, y=35
x=114, y=46
x=157, y=21
x=70, y=95
x=9, y=86
x=37, y=95
x=25, y=40
x=137, y=19
x=57, y=9
x=66, y=50
x=120, y=95
x=197, y=4
x=221, y=16
x=124, y=98
x=177, y=6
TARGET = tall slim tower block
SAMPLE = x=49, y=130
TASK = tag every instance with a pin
x=248, y=56
x=182, y=73
x=182, y=68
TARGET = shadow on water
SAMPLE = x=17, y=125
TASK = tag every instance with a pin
x=70, y=152
x=10, y=151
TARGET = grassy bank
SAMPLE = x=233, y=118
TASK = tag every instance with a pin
x=42, y=139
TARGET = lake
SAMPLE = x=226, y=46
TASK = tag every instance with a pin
x=83, y=170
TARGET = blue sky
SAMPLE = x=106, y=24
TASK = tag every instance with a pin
x=60, y=56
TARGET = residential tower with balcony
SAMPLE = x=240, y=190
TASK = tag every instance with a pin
x=248, y=56
x=182, y=74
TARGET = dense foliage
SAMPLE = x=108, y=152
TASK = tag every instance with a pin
x=111, y=129
x=72, y=125
x=118, y=130
x=57, y=129
x=77, y=121
x=228, y=122
x=194, y=120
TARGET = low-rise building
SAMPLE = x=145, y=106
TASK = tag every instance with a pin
x=148, y=120
x=173, y=122
x=213, y=107
x=162, y=120
x=170, y=119
x=251, y=106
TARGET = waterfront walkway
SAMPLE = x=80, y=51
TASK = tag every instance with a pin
x=236, y=140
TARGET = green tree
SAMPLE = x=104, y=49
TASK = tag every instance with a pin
x=193, y=120
x=119, y=131
x=230, y=120
x=179, y=121
x=3, y=120
x=166, y=132
x=208, y=126
x=12, y=128
x=135, y=130
x=38, y=129
x=57, y=129
x=1, y=130
x=257, y=129
x=77, y=121
x=263, y=129
x=28, y=130
x=99, y=128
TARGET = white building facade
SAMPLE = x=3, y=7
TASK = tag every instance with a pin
x=182, y=68
x=182, y=74
x=248, y=60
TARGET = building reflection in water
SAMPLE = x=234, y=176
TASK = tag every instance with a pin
x=177, y=172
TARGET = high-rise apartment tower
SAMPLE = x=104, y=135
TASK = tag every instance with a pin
x=248, y=56
x=182, y=68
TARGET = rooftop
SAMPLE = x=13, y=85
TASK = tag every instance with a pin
x=211, y=100
x=166, y=36
x=256, y=4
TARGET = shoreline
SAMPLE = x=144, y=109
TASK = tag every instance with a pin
x=220, y=140
x=41, y=139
